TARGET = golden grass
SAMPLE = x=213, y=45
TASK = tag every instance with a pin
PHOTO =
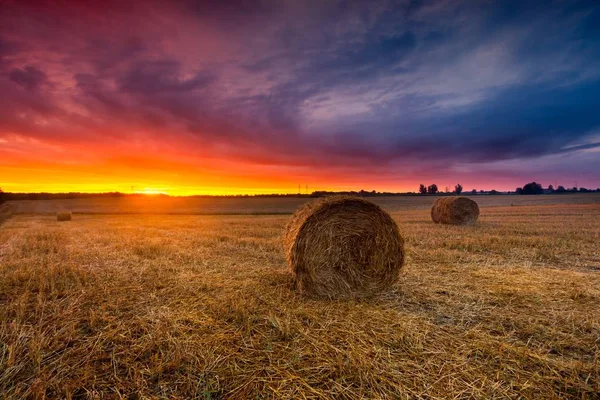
x=202, y=307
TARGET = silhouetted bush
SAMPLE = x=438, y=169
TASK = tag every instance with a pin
x=532, y=188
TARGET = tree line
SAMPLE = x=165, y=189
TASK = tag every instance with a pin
x=536, y=188
x=530, y=188
x=433, y=189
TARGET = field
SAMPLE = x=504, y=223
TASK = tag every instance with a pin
x=121, y=305
x=258, y=206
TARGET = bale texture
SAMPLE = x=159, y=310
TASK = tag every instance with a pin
x=63, y=216
x=455, y=211
x=343, y=247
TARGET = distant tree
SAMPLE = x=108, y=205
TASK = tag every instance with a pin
x=494, y=191
x=551, y=188
x=584, y=190
x=533, y=188
x=474, y=191
x=561, y=189
x=481, y=191
x=458, y=188
x=519, y=191
x=422, y=189
x=432, y=189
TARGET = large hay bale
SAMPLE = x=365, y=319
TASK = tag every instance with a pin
x=455, y=211
x=343, y=247
x=63, y=216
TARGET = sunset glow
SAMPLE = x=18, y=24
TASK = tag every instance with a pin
x=284, y=97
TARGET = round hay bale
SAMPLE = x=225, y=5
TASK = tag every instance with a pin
x=454, y=211
x=343, y=247
x=63, y=216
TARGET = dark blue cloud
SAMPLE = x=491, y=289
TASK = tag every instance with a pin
x=519, y=122
x=527, y=121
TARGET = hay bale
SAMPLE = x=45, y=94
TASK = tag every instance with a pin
x=455, y=211
x=63, y=216
x=6, y=211
x=343, y=247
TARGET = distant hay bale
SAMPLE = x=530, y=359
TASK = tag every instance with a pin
x=454, y=211
x=343, y=247
x=6, y=211
x=63, y=216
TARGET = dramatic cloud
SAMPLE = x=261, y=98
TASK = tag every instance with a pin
x=29, y=77
x=264, y=95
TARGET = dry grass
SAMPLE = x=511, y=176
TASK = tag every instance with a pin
x=202, y=307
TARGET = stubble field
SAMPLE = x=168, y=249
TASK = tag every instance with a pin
x=202, y=306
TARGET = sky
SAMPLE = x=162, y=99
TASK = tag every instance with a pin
x=231, y=97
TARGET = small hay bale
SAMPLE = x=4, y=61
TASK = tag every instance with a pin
x=343, y=247
x=6, y=212
x=454, y=211
x=63, y=216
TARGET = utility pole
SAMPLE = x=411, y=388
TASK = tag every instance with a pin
x=299, y=189
x=306, y=189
